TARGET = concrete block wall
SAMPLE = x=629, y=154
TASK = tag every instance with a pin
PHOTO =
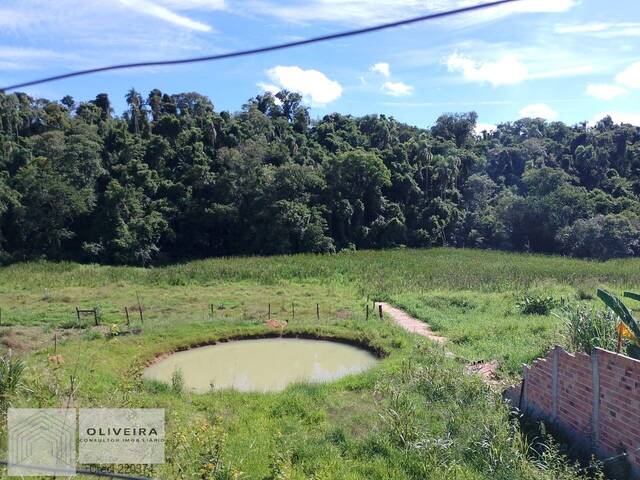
x=594, y=398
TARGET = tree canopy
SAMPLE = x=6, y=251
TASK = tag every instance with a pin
x=173, y=179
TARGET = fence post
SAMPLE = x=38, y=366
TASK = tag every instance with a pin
x=140, y=308
x=95, y=316
x=293, y=311
x=269, y=314
x=380, y=310
x=126, y=312
x=211, y=308
x=78, y=315
x=367, y=310
x=318, y=311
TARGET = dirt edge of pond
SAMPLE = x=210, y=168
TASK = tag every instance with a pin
x=379, y=352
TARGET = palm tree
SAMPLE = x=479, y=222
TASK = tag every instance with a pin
x=134, y=100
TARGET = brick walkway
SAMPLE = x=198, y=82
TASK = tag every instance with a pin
x=487, y=370
x=410, y=324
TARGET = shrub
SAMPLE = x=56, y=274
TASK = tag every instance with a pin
x=583, y=295
x=602, y=236
x=177, y=381
x=585, y=329
x=92, y=335
x=536, y=304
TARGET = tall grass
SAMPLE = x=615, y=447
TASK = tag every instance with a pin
x=11, y=378
x=375, y=272
x=430, y=283
x=586, y=328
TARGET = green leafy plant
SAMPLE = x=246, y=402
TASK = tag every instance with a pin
x=585, y=329
x=625, y=316
x=621, y=310
x=582, y=294
x=92, y=335
x=632, y=295
x=536, y=304
x=177, y=381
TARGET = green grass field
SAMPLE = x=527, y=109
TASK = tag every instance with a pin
x=413, y=416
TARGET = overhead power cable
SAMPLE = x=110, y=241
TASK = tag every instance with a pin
x=271, y=48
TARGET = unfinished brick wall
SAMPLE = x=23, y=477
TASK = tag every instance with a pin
x=593, y=398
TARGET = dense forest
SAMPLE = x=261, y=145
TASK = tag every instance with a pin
x=173, y=179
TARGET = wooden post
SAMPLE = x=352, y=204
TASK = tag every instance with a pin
x=293, y=311
x=126, y=312
x=367, y=310
x=318, y=311
x=95, y=316
x=211, y=308
x=269, y=314
x=380, y=311
x=78, y=315
x=140, y=308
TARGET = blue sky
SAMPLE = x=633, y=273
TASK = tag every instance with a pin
x=569, y=60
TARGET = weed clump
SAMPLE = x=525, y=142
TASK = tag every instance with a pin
x=585, y=329
x=177, y=381
x=536, y=304
x=11, y=373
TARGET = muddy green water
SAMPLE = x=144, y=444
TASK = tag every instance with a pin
x=262, y=365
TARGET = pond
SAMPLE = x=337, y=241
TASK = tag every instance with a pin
x=262, y=365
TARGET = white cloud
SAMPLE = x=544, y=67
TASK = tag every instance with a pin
x=23, y=58
x=605, y=91
x=508, y=70
x=314, y=86
x=95, y=32
x=601, y=29
x=484, y=127
x=269, y=87
x=195, y=4
x=397, y=89
x=365, y=12
x=630, y=77
x=538, y=110
x=150, y=8
x=382, y=68
x=617, y=117
x=542, y=6
x=14, y=18
x=572, y=71
x=582, y=27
